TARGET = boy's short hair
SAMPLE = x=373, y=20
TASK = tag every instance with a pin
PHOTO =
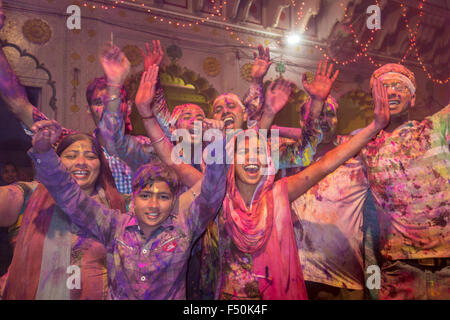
x=148, y=173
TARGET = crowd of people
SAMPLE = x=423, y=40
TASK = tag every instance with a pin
x=197, y=209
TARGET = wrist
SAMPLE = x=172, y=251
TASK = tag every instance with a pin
x=113, y=84
x=374, y=128
x=257, y=80
x=113, y=90
x=147, y=114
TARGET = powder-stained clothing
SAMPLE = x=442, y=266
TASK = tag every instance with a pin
x=329, y=227
x=121, y=172
x=138, y=268
x=47, y=245
x=409, y=175
x=27, y=189
x=137, y=151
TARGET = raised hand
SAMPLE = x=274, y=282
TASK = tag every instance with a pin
x=115, y=65
x=320, y=88
x=146, y=91
x=262, y=63
x=154, y=56
x=277, y=96
x=381, y=111
x=46, y=133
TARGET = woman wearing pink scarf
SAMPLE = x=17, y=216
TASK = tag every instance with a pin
x=257, y=248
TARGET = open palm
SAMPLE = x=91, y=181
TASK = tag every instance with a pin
x=146, y=90
x=321, y=86
x=261, y=64
x=153, y=55
x=381, y=111
x=277, y=96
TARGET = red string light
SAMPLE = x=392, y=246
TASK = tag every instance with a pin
x=216, y=12
x=363, y=46
x=413, y=44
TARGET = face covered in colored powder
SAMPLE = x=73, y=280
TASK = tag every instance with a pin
x=248, y=164
x=83, y=164
x=153, y=205
x=185, y=119
x=399, y=94
x=229, y=109
x=96, y=105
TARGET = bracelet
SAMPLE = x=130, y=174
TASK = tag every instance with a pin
x=149, y=117
x=158, y=140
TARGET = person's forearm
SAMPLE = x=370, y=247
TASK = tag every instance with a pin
x=254, y=99
x=13, y=93
x=266, y=120
x=125, y=146
x=291, y=133
x=301, y=182
x=160, y=109
x=11, y=201
x=213, y=189
x=84, y=211
x=337, y=156
x=114, y=104
x=316, y=108
x=163, y=148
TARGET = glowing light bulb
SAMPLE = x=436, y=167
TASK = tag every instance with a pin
x=293, y=38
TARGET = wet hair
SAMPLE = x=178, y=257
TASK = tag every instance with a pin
x=105, y=178
x=148, y=174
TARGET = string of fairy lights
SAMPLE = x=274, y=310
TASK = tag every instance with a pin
x=216, y=14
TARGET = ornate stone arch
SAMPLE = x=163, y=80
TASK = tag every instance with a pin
x=40, y=81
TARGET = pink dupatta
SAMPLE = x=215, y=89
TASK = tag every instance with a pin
x=266, y=231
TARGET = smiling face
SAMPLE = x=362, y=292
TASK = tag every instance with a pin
x=248, y=171
x=83, y=164
x=152, y=205
x=399, y=96
x=188, y=116
x=228, y=109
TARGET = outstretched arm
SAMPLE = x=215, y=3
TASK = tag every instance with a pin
x=155, y=56
x=161, y=144
x=301, y=182
x=207, y=204
x=254, y=98
x=84, y=211
x=112, y=127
